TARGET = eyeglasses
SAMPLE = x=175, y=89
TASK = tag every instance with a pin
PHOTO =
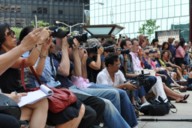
x=11, y=33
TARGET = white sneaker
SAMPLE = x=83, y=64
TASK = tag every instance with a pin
x=183, y=80
x=144, y=104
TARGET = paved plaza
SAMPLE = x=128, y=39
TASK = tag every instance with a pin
x=184, y=111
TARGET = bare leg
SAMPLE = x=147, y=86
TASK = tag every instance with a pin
x=75, y=122
x=39, y=114
x=172, y=94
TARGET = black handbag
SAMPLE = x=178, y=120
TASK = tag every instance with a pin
x=9, y=106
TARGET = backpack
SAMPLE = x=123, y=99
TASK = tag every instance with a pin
x=157, y=107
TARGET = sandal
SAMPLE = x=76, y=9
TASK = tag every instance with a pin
x=185, y=97
x=181, y=101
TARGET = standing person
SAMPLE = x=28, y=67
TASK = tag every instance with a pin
x=180, y=53
x=37, y=112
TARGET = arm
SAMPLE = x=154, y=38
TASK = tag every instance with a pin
x=43, y=35
x=64, y=66
x=97, y=65
x=10, y=57
x=44, y=52
x=77, y=61
x=84, y=64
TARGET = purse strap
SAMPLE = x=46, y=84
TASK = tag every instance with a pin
x=35, y=74
x=22, y=74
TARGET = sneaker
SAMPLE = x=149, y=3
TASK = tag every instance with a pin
x=183, y=80
x=144, y=104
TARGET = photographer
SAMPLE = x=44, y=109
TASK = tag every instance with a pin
x=126, y=61
x=94, y=59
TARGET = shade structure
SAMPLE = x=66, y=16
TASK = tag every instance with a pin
x=104, y=30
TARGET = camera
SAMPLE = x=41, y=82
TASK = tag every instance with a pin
x=92, y=49
x=96, y=47
x=57, y=32
x=109, y=48
x=125, y=51
x=81, y=38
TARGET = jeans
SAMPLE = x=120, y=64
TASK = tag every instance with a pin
x=112, y=117
x=127, y=109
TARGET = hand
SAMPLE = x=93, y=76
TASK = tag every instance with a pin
x=100, y=50
x=65, y=42
x=76, y=44
x=44, y=35
x=47, y=45
x=84, y=57
x=30, y=40
x=130, y=86
x=16, y=97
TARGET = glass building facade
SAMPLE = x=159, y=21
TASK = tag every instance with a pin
x=21, y=12
x=169, y=14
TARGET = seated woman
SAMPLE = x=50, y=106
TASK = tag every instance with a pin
x=37, y=112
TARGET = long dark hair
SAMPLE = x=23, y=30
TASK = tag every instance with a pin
x=24, y=32
x=3, y=28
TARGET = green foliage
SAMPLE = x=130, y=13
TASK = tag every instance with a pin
x=17, y=31
x=40, y=23
x=148, y=28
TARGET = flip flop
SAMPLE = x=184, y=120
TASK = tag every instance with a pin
x=181, y=101
x=185, y=96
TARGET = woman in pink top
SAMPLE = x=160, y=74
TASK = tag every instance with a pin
x=180, y=53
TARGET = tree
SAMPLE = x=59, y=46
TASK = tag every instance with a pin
x=40, y=23
x=148, y=28
x=17, y=31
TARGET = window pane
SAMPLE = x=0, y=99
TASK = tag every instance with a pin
x=159, y=12
x=184, y=1
x=148, y=14
x=137, y=15
x=154, y=4
x=178, y=10
x=171, y=11
x=185, y=9
x=148, y=4
x=154, y=13
x=142, y=5
x=171, y=2
x=165, y=12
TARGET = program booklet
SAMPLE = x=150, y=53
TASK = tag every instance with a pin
x=35, y=96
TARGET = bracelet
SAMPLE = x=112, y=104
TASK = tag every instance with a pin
x=43, y=56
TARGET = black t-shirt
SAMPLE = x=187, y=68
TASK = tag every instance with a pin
x=10, y=81
x=92, y=73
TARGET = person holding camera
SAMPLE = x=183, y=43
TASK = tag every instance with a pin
x=10, y=79
x=111, y=115
x=94, y=59
x=126, y=61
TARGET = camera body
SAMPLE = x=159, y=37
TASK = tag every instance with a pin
x=125, y=51
x=109, y=48
x=57, y=32
x=81, y=38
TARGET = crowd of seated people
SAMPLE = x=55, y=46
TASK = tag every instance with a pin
x=102, y=75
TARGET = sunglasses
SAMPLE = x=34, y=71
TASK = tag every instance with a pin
x=11, y=33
